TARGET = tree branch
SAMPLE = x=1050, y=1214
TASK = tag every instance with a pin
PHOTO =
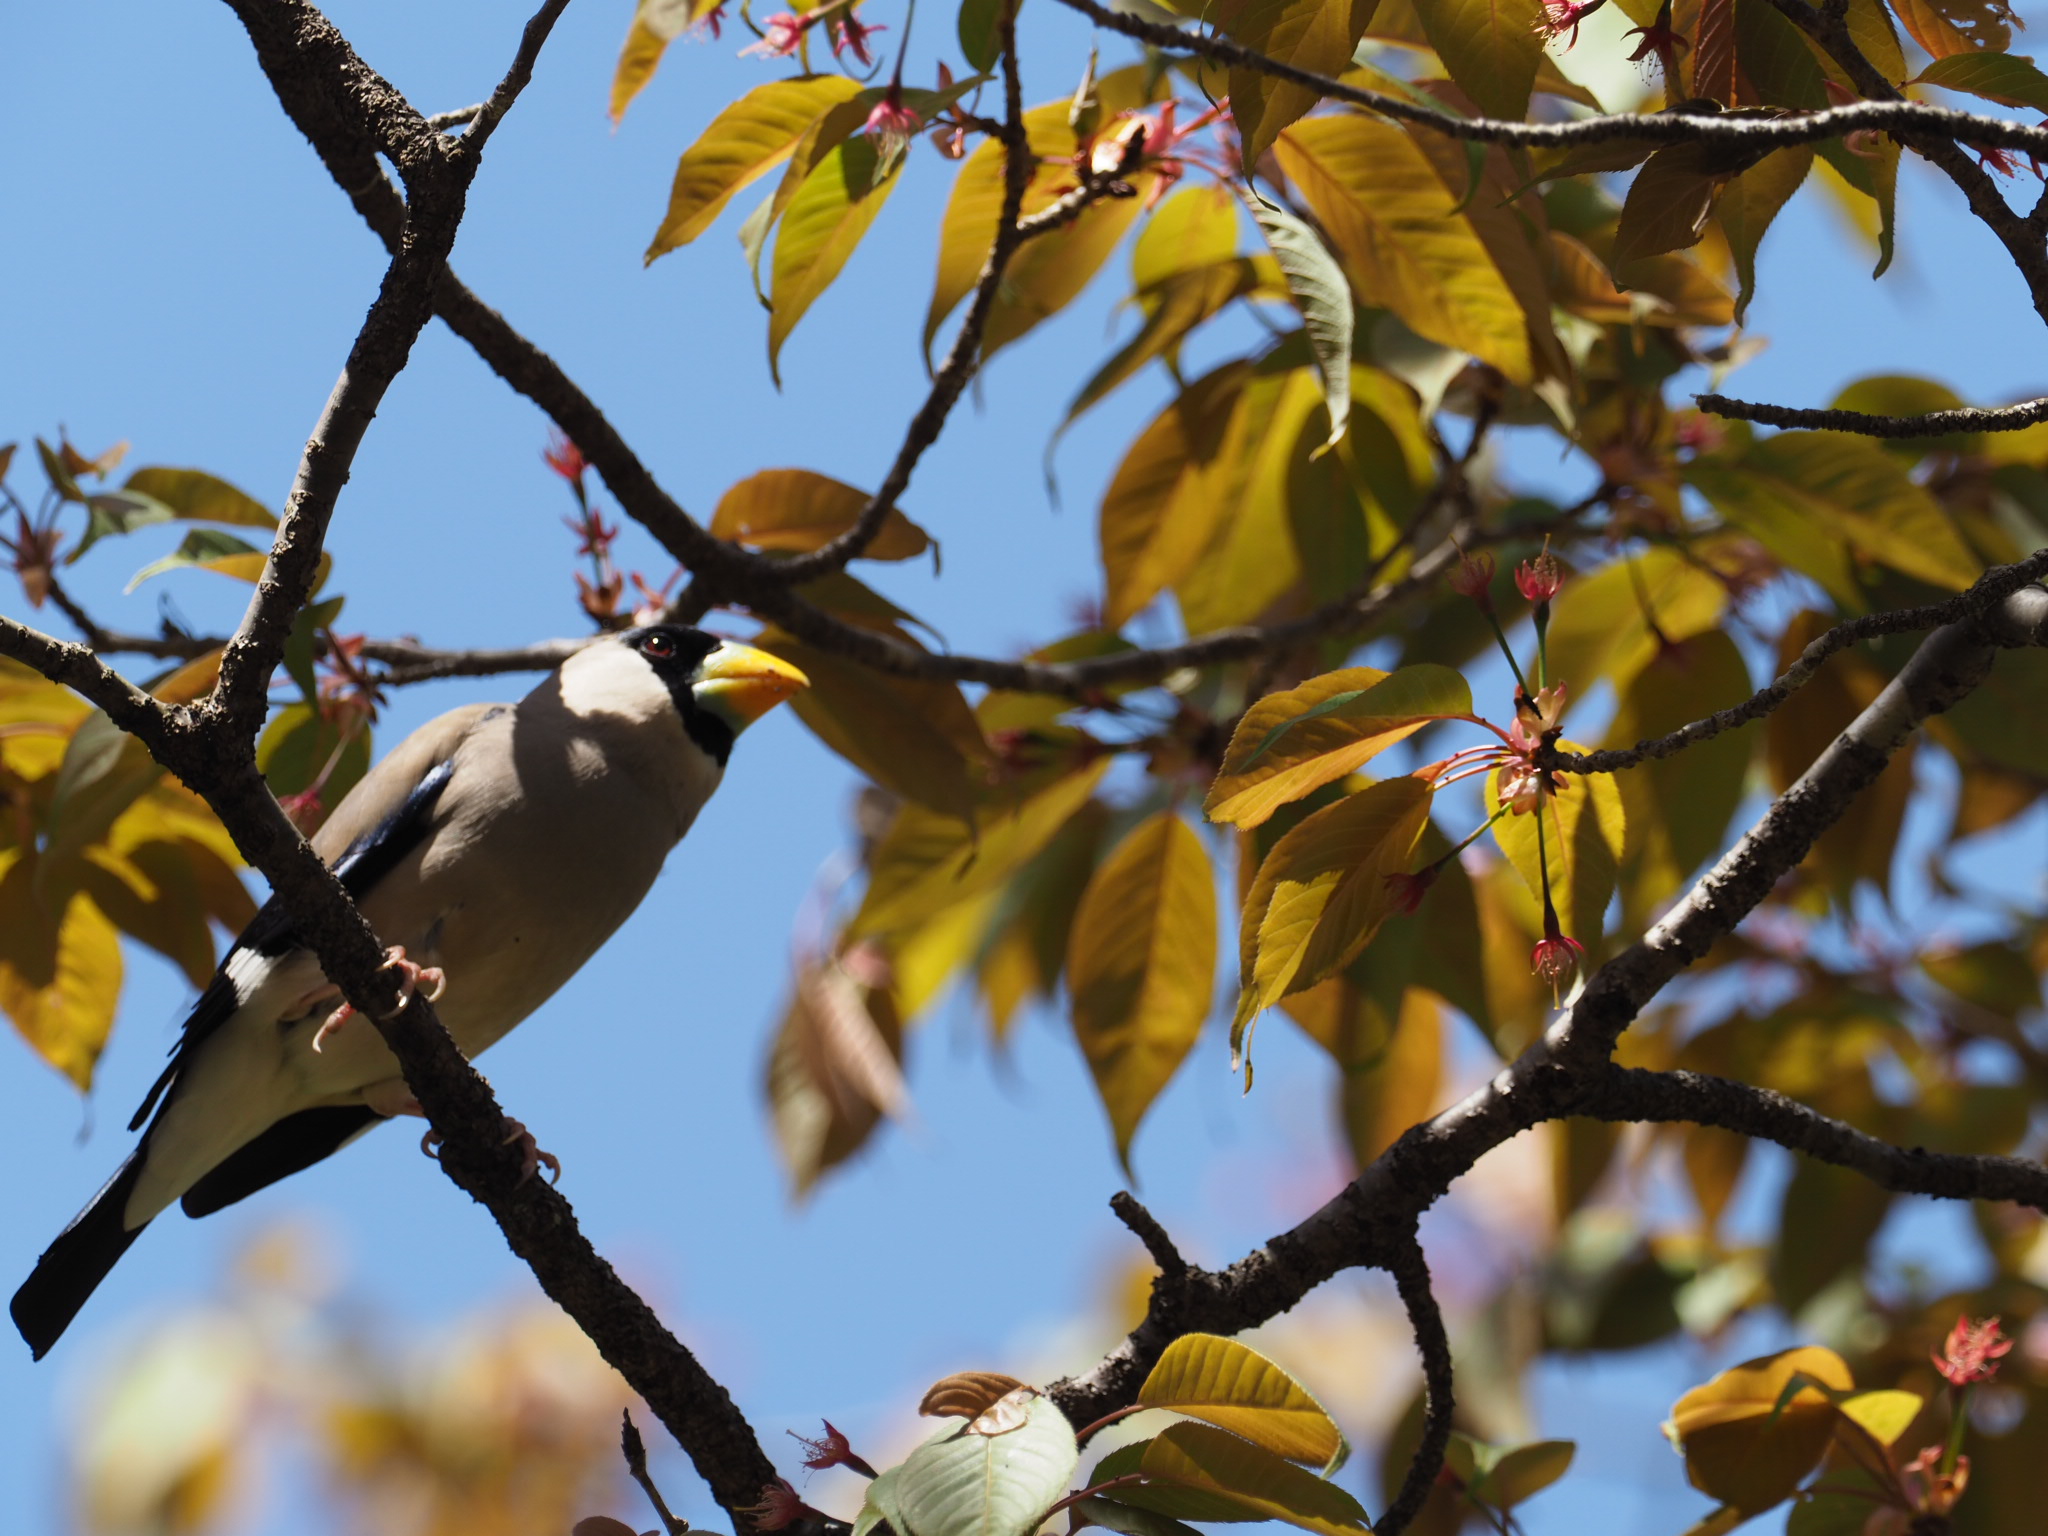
x=2003, y=418
x=1410, y=1269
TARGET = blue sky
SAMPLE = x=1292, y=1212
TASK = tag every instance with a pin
x=183, y=274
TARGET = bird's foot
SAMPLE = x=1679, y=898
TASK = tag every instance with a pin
x=531, y=1158
x=410, y=975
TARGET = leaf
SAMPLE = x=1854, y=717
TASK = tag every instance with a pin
x=1192, y=228
x=1316, y=284
x=1127, y=1520
x=927, y=861
x=966, y=1394
x=60, y=970
x=918, y=739
x=822, y=1114
x=1388, y=215
x=1211, y=1461
x=1162, y=510
x=1601, y=624
x=1899, y=394
x=742, y=144
x=1292, y=742
x=1323, y=892
x=197, y=497
x=299, y=745
x=1397, y=1082
x=1519, y=1473
x=1141, y=966
x=1491, y=48
x=1945, y=27
x=1668, y=203
x=1885, y=1414
x=1750, y=202
x=117, y=512
x=981, y=42
x=1176, y=305
x=207, y=549
x=825, y=220
x=656, y=24
x=1713, y=63
x=1583, y=843
x=2012, y=80
x=798, y=510
x=1049, y=273
x=1752, y=1434
x=1827, y=1221
x=1309, y=34
x=960, y=1483
x=879, y=1506
x=1225, y=1383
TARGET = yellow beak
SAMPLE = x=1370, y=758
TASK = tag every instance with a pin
x=743, y=683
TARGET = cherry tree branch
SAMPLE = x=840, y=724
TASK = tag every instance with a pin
x=1410, y=1269
x=2003, y=418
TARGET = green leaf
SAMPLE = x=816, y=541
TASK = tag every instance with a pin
x=1314, y=35
x=1141, y=966
x=743, y=143
x=1750, y=202
x=1388, y=216
x=1316, y=284
x=823, y=223
x=1127, y=1520
x=964, y=1483
x=2012, y=80
x=1668, y=203
x=1234, y=1387
x=197, y=497
x=1608, y=624
x=1166, y=1499
x=1491, y=48
x=1175, y=306
x=799, y=510
x=1900, y=394
x=878, y=1506
x=1207, y=1460
x=1296, y=741
x=1516, y=1474
x=981, y=41
x=300, y=643
x=208, y=549
x=1583, y=829
x=300, y=744
x=115, y=512
x=1827, y=1220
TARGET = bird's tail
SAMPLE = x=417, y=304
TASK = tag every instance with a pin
x=71, y=1269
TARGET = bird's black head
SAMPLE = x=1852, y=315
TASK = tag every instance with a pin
x=719, y=687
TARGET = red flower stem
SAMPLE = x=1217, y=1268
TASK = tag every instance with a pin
x=1501, y=640
x=1960, y=1409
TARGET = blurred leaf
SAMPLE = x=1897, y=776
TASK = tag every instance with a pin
x=1317, y=286
x=961, y=1483
x=1142, y=966
x=1491, y=48
x=744, y=142
x=1308, y=34
x=1945, y=27
x=1584, y=842
x=1388, y=215
x=1750, y=202
x=197, y=497
x=1994, y=976
x=1397, y=1086
x=1026, y=950
x=1227, y=1384
x=1515, y=1474
x=798, y=510
x=1192, y=228
x=981, y=42
x=822, y=1083
x=1607, y=624
x=1826, y=1222
x=60, y=969
x=300, y=744
x=117, y=512
x=1129, y=1521
x=1714, y=1161
x=656, y=24
x=208, y=549
x=1211, y=1461
x=1885, y=1414
x=1176, y=304
x=1898, y=394
x=928, y=860
x=1752, y=1434
x=823, y=223
x=1668, y=203
x=1298, y=740
x=2009, y=79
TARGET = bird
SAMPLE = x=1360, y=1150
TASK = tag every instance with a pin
x=494, y=850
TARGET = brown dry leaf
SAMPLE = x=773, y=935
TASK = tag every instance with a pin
x=968, y=1394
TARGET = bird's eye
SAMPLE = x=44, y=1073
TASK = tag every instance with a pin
x=658, y=646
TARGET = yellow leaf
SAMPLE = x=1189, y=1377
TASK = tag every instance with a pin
x=1162, y=510
x=1193, y=228
x=1583, y=842
x=1142, y=966
x=1752, y=1434
x=1945, y=27
x=795, y=509
x=1885, y=1414
x=1606, y=624
x=1323, y=892
x=743, y=143
x=1211, y=1461
x=927, y=861
x=60, y=971
x=656, y=24
x=825, y=220
x=1491, y=48
x=198, y=497
x=1234, y=1387
x=1389, y=219
x=1296, y=741
x=1309, y=34
x=1401, y=1084
x=1048, y=274
x=919, y=739
x=1750, y=202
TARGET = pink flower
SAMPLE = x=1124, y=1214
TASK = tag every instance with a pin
x=831, y=1451
x=1535, y=718
x=1658, y=38
x=304, y=810
x=784, y=33
x=1473, y=577
x=1561, y=16
x=779, y=1507
x=892, y=123
x=850, y=35
x=1539, y=579
x=712, y=21
x=1410, y=889
x=565, y=458
x=1556, y=958
x=1971, y=1351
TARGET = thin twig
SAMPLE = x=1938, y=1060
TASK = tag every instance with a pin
x=1146, y=1228
x=2002, y=418
x=1410, y=1270
x=635, y=1451
x=441, y=122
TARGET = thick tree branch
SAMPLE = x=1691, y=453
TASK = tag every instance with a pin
x=1410, y=1270
x=1991, y=591
x=2003, y=418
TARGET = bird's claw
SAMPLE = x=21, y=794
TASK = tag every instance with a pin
x=531, y=1158
x=410, y=975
